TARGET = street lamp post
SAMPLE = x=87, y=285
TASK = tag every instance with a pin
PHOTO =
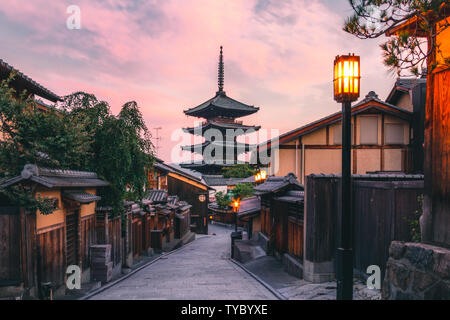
x=236, y=203
x=235, y=235
x=346, y=90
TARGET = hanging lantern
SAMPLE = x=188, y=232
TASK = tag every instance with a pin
x=346, y=78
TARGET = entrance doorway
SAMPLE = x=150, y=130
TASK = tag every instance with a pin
x=72, y=245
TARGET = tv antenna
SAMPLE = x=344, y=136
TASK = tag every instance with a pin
x=158, y=139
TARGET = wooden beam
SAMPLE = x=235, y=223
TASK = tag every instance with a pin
x=191, y=182
x=382, y=144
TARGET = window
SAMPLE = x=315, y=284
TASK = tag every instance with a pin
x=394, y=133
x=337, y=134
x=368, y=130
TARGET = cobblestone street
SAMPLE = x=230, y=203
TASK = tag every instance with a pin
x=199, y=271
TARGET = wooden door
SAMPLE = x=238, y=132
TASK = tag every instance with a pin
x=72, y=238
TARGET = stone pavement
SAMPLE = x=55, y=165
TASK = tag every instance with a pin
x=200, y=270
x=271, y=271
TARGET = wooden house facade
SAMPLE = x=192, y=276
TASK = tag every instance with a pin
x=188, y=187
x=281, y=219
x=37, y=248
x=381, y=136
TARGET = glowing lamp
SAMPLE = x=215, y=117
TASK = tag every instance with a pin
x=346, y=78
x=263, y=175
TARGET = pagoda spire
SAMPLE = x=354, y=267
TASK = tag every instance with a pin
x=221, y=72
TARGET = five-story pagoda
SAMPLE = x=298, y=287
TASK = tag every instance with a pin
x=220, y=130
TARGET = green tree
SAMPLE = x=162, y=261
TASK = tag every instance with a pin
x=223, y=199
x=243, y=190
x=243, y=170
x=407, y=50
x=121, y=149
x=82, y=135
x=29, y=135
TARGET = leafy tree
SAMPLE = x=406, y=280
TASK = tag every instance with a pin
x=121, y=148
x=406, y=51
x=243, y=190
x=223, y=199
x=238, y=171
x=82, y=135
x=29, y=135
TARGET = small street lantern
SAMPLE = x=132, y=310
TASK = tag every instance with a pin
x=346, y=82
x=236, y=203
x=263, y=175
x=346, y=78
x=260, y=176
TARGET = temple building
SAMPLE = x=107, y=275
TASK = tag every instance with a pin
x=219, y=130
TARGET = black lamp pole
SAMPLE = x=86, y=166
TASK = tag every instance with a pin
x=235, y=209
x=345, y=250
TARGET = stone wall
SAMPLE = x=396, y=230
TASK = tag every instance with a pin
x=417, y=271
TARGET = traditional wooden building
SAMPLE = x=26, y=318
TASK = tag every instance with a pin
x=381, y=141
x=410, y=94
x=249, y=214
x=37, y=248
x=281, y=198
x=220, y=130
x=187, y=186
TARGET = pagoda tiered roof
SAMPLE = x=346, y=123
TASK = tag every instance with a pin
x=220, y=126
x=238, y=146
x=220, y=113
x=221, y=105
x=209, y=167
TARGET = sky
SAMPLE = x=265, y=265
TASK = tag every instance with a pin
x=163, y=54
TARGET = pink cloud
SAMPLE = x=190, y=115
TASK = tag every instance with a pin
x=163, y=54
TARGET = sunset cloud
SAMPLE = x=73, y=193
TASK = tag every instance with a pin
x=163, y=54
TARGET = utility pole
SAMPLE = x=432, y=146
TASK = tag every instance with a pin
x=158, y=139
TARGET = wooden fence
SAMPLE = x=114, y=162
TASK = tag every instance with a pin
x=109, y=231
x=182, y=224
x=295, y=237
x=383, y=212
x=384, y=206
x=10, y=246
x=266, y=222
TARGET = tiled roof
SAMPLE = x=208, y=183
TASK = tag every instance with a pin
x=292, y=196
x=371, y=101
x=379, y=176
x=157, y=196
x=403, y=85
x=172, y=199
x=175, y=168
x=220, y=125
x=79, y=196
x=239, y=146
x=23, y=80
x=52, y=178
x=249, y=206
x=219, y=180
x=276, y=184
x=222, y=105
